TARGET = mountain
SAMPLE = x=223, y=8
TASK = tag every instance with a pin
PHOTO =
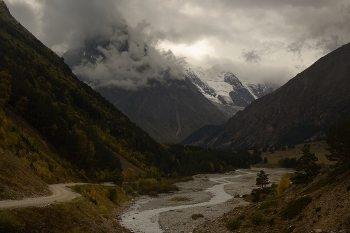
x=300, y=110
x=169, y=108
x=84, y=128
x=63, y=130
x=169, y=113
x=225, y=90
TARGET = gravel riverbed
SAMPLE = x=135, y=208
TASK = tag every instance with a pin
x=208, y=196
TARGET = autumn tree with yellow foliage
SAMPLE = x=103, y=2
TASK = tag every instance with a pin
x=284, y=183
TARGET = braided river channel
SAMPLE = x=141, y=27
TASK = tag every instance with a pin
x=208, y=196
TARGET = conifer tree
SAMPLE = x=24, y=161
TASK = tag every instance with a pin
x=262, y=179
x=307, y=168
x=338, y=140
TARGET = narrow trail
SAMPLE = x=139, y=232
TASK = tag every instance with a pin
x=60, y=194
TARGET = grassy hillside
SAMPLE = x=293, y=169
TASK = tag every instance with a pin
x=319, y=148
x=94, y=212
x=319, y=206
x=314, y=199
x=18, y=180
x=27, y=162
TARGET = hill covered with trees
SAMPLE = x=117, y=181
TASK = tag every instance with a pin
x=82, y=126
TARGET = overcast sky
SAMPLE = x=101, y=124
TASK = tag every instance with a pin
x=256, y=39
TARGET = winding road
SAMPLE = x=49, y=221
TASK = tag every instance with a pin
x=60, y=194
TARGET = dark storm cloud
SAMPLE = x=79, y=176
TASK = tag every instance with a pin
x=251, y=56
x=290, y=34
x=27, y=14
x=275, y=3
x=67, y=24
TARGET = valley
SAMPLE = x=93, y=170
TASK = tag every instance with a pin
x=177, y=124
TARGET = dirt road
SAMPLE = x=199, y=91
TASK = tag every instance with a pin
x=60, y=194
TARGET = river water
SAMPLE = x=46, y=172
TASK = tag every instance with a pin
x=210, y=195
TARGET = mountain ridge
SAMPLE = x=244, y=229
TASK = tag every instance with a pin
x=225, y=90
x=300, y=110
x=168, y=109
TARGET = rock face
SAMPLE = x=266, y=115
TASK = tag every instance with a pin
x=225, y=90
x=300, y=110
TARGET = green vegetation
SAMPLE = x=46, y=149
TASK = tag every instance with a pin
x=18, y=180
x=307, y=168
x=5, y=87
x=8, y=224
x=86, y=131
x=197, y=216
x=102, y=195
x=151, y=186
x=283, y=184
x=55, y=128
x=93, y=212
x=279, y=211
x=289, y=157
x=268, y=204
x=256, y=158
x=261, y=192
x=295, y=207
x=33, y=156
x=235, y=223
x=257, y=218
x=289, y=162
x=338, y=139
x=262, y=180
x=190, y=160
x=180, y=198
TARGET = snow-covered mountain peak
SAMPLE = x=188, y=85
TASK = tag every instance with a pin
x=224, y=89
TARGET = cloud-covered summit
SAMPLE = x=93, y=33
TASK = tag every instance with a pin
x=259, y=36
x=124, y=56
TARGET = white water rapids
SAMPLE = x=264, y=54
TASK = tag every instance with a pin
x=211, y=195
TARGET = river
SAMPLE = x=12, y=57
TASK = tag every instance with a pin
x=210, y=195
